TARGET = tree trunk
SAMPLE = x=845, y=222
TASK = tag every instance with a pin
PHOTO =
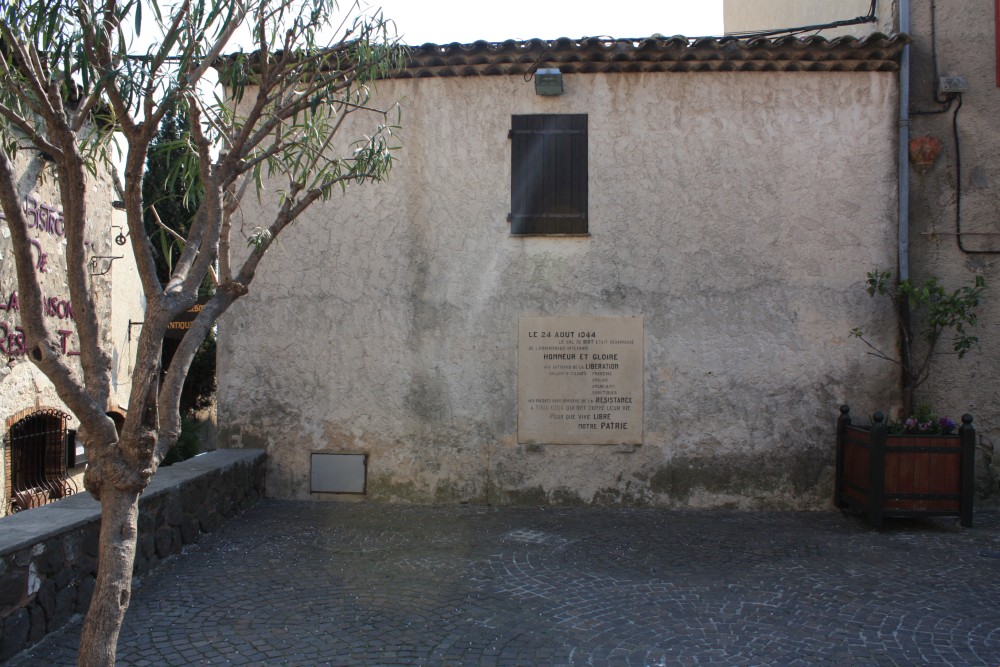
x=909, y=399
x=906, y=357
x=119, y=527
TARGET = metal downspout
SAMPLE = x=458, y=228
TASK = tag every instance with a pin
x=904, y=199
x=904, y=144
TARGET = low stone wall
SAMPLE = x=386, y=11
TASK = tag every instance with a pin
x=48, y=555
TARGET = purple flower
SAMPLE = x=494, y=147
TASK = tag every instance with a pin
x=911, y=424
x=947, y=425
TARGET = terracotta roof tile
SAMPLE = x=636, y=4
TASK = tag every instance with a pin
x=874, y=53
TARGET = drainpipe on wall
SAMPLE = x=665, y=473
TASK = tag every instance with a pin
x=904, y=196
x=904, y=142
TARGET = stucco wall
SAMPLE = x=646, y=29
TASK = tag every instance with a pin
x=737, y=213
x=117, y=296
x=966, y=46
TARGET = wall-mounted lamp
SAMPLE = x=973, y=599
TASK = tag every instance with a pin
x=548, y=82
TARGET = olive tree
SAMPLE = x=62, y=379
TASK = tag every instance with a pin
x=261, y=122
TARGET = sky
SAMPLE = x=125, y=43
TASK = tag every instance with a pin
x=465, y=21
x=446, y=21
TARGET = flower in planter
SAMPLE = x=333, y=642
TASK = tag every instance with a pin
x=923, y=423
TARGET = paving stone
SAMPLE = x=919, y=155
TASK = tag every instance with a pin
x=299, y=583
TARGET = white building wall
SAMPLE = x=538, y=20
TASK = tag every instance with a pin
x=737, y=213
x=128, y=308
x=750, y=15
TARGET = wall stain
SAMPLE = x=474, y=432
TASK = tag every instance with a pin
x=762, y=477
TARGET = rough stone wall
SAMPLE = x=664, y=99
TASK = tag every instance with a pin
x=118, y=296
x=966, y=46
x=737, y=213
x=48, y=556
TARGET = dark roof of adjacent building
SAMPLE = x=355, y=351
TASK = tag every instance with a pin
x=874, y=53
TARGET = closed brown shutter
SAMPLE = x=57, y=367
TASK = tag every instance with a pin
x=548, y=175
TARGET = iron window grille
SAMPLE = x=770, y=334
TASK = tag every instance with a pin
x=36, y=452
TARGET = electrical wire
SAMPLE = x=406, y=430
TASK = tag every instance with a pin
x=948, y=101
x=859, y=20
x=735, y=36
x=934, y=58
x=958, y=188
x=936, y=83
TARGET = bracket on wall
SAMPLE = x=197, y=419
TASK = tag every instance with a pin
x=133, y=324
x=95, y=262
x=122, y=237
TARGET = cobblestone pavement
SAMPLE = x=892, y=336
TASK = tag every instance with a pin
x=295, y=583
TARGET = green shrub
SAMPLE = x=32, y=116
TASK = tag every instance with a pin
x=188, y=442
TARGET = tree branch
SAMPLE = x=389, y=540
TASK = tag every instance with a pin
x=180, y=239
x=173, y=382
x=35, y=138
x=96, y=363
x=202, y=243
x=132, y=193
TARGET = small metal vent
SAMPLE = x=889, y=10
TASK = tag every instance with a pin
x=338, y=473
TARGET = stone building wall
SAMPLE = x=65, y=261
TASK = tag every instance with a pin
x=118, y=298
x=965, y=179
x=735, y=212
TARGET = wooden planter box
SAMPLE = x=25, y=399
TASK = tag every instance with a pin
x=889, y=475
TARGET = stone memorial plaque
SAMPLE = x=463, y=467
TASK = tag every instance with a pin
x=579, y=380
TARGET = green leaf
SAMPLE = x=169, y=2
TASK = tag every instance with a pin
x=932, y=312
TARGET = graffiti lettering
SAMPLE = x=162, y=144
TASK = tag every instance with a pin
x=43, y=257
x=51, y=306
x=42, y=264
x=44, y=217
x=64, y=336
x=11, y=304
x=56, y=307
x=12, y=343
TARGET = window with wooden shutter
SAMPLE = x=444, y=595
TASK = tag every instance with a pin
x=548, y=174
